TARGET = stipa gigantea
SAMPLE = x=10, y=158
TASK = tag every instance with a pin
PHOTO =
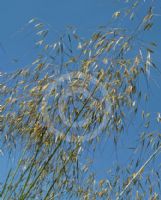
x=111, y=55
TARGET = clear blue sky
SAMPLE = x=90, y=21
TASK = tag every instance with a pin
x=86, y=15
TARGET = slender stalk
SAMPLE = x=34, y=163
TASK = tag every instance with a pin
x=14, y=174
x=32, y=165
x=139, y=172
x=59, y=144
x=5, y=185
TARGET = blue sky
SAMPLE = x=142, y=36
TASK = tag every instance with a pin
x=85, y=15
